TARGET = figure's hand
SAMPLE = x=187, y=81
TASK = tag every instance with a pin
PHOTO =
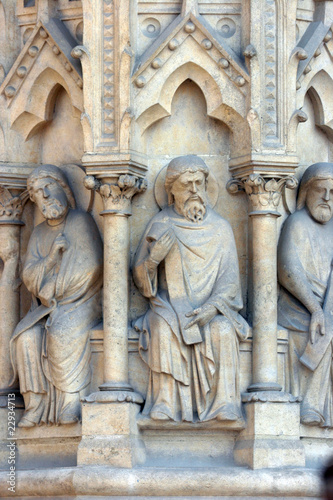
x=162, y=247
x=317, y=323
x=203, y=315
x=59, y=245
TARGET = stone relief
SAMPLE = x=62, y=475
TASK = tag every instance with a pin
x=50, y=349
x=186, y=265
x=305, y=303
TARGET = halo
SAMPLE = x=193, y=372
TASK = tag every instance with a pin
x=161, y=196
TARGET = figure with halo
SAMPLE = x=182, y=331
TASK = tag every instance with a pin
x=50, y=347
x=305, y=307
x=187, y=266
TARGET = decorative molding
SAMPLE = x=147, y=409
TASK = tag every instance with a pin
x=53, y=35
x=308, y=48
x=190, y=24
x=270, y=397
x=264, y=193
x=270, y=128
x=117, y=196
x=114, y=397
x=108, y=95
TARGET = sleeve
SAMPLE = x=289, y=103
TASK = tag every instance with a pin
x=34, y=273
x=82, y=263
x=291, y=273
x=227, y=294
x=144, y=277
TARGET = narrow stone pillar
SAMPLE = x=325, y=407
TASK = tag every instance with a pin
x=117, y=195
x=271, y=437
x=10, y=225
x=11, y=207
x=264, y=346
x=115, y=439
x=264, y=195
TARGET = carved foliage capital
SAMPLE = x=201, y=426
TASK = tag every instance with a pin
x=11, y=207
x=264, y=193
x=117, y=196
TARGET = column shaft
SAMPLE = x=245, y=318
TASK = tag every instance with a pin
x=116, y=251
x=265, y=372
x=9, y=299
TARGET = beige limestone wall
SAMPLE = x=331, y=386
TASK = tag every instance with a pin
x=189, y=131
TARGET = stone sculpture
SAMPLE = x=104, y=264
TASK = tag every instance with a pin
x=305, y=305
x=50, y=347
x=187, y=266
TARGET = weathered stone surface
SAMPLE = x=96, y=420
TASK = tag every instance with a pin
x=305, y=305
x=111, y=92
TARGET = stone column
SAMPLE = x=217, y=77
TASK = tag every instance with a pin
x=11, y=207
x=264, y=195
x=271, y=437
x=10, y=224
x=109, y=432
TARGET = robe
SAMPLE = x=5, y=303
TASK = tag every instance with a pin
x=50, y=347
x=305, y=254
x=198, y=375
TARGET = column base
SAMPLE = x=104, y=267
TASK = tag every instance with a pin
x=272, y=436
x=115, y=386
x=116, y=396
x=264, y=386
x=110, y=434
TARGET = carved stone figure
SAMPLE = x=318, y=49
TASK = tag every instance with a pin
x=50, y=347
x=305, y=305
x=187, y=266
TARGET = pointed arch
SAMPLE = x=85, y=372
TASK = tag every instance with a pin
x=29, y=115
x=160, y=106
x=320, y=90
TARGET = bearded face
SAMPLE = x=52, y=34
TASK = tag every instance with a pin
x=319, y=200
x=50, y=198
x=189, y=192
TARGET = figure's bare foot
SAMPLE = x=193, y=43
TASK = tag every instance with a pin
x=158, y=415
x=26, y=423
x=311, y=418
x=227, y=415
x=68, y=418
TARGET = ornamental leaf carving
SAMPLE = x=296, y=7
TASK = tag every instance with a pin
x=264, y=193
x=10, y=206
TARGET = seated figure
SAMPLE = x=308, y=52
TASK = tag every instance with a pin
x=50, y=347
x=187, y=266
x=305, y=256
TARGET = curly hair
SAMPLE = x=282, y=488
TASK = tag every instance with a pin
x=180, y=165
x=52, y=172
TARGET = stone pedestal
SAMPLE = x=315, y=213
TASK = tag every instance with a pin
x=272, y=436
x=110, y=435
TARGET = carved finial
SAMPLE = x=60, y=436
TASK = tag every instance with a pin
x=188, y=6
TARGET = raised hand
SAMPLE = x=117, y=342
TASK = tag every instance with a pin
x=160, y=249
x=203, y=315
x=59, y=245
x=317, y=323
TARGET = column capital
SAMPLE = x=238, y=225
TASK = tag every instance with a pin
x=264, y=192
x=11, y=206
x=116, y=192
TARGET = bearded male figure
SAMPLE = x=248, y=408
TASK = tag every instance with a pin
x=50, y=347
x=187, y=266
x=305, y=257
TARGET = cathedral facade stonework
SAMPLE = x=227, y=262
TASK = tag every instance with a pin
x=166, y=215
